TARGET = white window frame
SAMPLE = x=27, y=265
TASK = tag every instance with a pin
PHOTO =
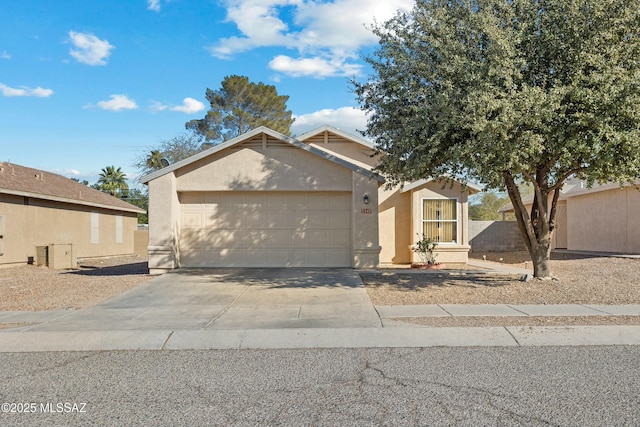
x=456, y=221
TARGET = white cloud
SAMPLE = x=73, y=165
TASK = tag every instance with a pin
x=315, y=67
x=189, y=106
x=157, y=106
x=116, y=103
x=332, y=31
x=5, y=55
x=38, y=92
x=348, y=119
x=89, y=50
x=153, y=5
x=260, y=25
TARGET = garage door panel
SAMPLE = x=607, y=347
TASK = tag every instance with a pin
x=192, y=220
x=339, y=221
x=266, y=229
x=275, y=220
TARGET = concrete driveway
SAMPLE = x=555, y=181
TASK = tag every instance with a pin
x=251, y=298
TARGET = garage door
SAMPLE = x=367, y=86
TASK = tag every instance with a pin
x=265, y=229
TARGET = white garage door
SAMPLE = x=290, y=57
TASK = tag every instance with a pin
x=266, y=229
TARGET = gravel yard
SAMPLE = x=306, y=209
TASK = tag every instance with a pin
x=30, y=288
x=582, y=280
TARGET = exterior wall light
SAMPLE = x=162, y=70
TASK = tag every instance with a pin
x=366, y=199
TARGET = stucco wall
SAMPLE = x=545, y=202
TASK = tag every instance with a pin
x=395, y=226
x=606, y=221
x=348, y=150
x=281, y=168
x=366, y=247
x=164, y=224
x=42, y=222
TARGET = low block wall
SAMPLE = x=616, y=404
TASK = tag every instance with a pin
x=140, y=242
x=495, y=236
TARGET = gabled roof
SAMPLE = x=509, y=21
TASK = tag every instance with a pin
x=28, y=182
x=419, y=183
x=340, y=132
x=246, y=136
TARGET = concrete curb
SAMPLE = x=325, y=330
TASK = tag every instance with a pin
x=31, y=341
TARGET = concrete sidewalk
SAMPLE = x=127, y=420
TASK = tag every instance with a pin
x=32, y=341
x=383, y=311
x=387, y=334
x=505, y=310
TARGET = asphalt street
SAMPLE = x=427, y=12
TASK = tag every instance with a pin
x=531, y=386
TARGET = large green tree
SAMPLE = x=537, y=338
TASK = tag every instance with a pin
x=140, y=199
x=486, y=207
x=113, y=181
x=508, y=92
x=240, y=106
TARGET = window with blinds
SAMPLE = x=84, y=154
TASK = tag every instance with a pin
x=440, y=220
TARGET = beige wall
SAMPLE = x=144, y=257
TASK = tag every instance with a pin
x=43, y=222
x=164, y=224
x=348, y=150
x=395, y=226
x=281, y=168
x=605, y=221
x=141, y=243
x=366, y=247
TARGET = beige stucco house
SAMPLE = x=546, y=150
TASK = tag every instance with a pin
x=603, y=218
x=267, y=200
x=44, y=210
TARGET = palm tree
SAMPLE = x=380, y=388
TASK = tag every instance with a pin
x=113, y=181
x=154, y=161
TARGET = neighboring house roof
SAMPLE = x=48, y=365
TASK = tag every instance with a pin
x=346, y=135
x=573, y=188
x=244, y=137
x=474, y=188
x=28, y=182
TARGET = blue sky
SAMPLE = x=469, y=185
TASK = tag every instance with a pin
x=87, y=84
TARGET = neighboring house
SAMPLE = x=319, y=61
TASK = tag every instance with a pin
x=604, y=218
x=267, y=200
x=41, y=209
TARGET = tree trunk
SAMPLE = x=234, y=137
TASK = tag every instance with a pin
x=536, y=228
x=540, y=255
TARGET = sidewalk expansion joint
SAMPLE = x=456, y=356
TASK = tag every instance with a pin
x=442, y=308
x=375, y=308
x=512, y=336
x=164, y=344
x=595, y=309
x=513, y=308
x=212, y=321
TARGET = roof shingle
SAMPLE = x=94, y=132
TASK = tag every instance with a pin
x=21, y=180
